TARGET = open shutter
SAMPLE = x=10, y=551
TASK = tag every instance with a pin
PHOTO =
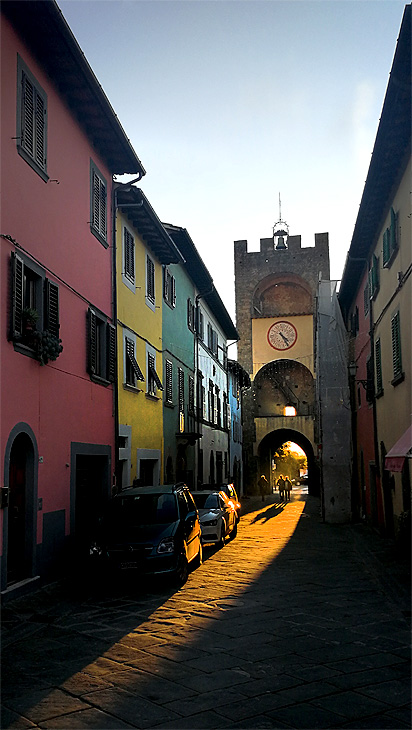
x=392, y=234
x=386, y=246
x=131, y=356
x=92, y=365
x=52, y=308
x=111, y=352
x=27, y=121
x=396, y=346
x=17, y=295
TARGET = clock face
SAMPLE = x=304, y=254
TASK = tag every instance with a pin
x=282, y=335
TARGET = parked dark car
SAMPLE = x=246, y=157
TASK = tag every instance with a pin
x=153, y=531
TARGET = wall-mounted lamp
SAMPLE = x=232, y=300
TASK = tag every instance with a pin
x=352, y=368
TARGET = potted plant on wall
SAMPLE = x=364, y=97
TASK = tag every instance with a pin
x=47, y=346
x=29, y=317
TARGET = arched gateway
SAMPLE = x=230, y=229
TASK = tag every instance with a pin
x=276, y=291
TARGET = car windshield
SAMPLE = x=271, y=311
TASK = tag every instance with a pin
x=144, y=509
x=206, y=501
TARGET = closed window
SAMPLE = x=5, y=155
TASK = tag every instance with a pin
x=31, y=135
x=373, y=277
x=169, y=381
x=128, y=256
x=212, y=340
x=191, y=383
x=201, y=325
x=190, y=315
x=378, y=366
x=396, y=347
x=169, y=288
x=150, y=281
x=390, y=240
x=181, y=389
x=98, y=204
x=101, y=348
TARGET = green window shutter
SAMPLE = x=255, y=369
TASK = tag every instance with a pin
x=169, y=381
x=386, y=247
x=191, y=394
x=52, y=307
x=92, y=364
x=128, y=242
x=378, y=365
x=40, y=127
x=396, y=346
x=111, y=352
x=393, y=230
x=103, y=210
x=181, y=389
x=28, y=121
x=17, y=295
x=96, y=199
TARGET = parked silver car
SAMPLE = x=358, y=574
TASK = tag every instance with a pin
x=218, y=519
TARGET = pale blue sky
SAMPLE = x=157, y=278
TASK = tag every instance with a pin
x=230, y=102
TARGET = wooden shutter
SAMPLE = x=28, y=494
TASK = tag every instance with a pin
x=396, y=346
x=392, y=232
x=27, y=121
x=181, y=390
x=52, y=307
x=17, y=295
x=40, y=127
x=131, y=356
x=150, y=286
x=103, y=210
x=96, y=198
x=128, y=242
x=378, y=365
x=169, y=381
x=111, y=352
x=92, y=364
x=386, y=253
x=166, y=281
x=191, y=394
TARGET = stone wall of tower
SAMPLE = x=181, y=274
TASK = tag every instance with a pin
x=309, y=264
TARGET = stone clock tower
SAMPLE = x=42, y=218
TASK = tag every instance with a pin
x=276, y=291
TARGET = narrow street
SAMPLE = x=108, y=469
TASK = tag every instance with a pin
x=293, y=624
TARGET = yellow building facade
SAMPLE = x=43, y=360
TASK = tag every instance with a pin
x=143, y=248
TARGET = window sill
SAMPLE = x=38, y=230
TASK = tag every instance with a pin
x=99, y=237
x=151, y=396
x=399, y=379
x=169, y=405
x=99, y=380
x=391, y=259
x=33, y=164
x=379, y=394
x=131, y=388
x=24, y=350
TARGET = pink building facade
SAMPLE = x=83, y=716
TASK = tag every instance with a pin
x=61, y=146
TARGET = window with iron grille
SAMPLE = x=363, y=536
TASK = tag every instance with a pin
x=169, y=381
x=128, y=255
x=98, y=204
x=133, y=372
x=396, y=347
x=191, y=399
x=169, y=288
x=181, y=389
x=101, y=348
x=31, y=137
x=150, y=280
x=378, y=367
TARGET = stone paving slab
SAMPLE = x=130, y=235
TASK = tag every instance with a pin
x=294, y=624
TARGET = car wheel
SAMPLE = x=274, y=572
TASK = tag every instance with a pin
x=221, y=540
x=182, y=570
x=198, y=560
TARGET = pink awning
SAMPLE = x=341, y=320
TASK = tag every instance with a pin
x=395, y=458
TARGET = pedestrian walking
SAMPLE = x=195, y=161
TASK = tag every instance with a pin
x=263, y=486
x=288, y=487
x=281, y=486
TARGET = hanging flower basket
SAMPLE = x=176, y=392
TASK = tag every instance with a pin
x=47, y=346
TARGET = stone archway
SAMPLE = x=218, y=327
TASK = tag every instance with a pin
x=274, y=440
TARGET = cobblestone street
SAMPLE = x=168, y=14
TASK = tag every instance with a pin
x=293, y=624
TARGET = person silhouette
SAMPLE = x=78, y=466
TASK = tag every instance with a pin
x=281, y=486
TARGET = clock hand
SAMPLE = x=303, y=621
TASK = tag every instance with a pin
x=286, y=341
